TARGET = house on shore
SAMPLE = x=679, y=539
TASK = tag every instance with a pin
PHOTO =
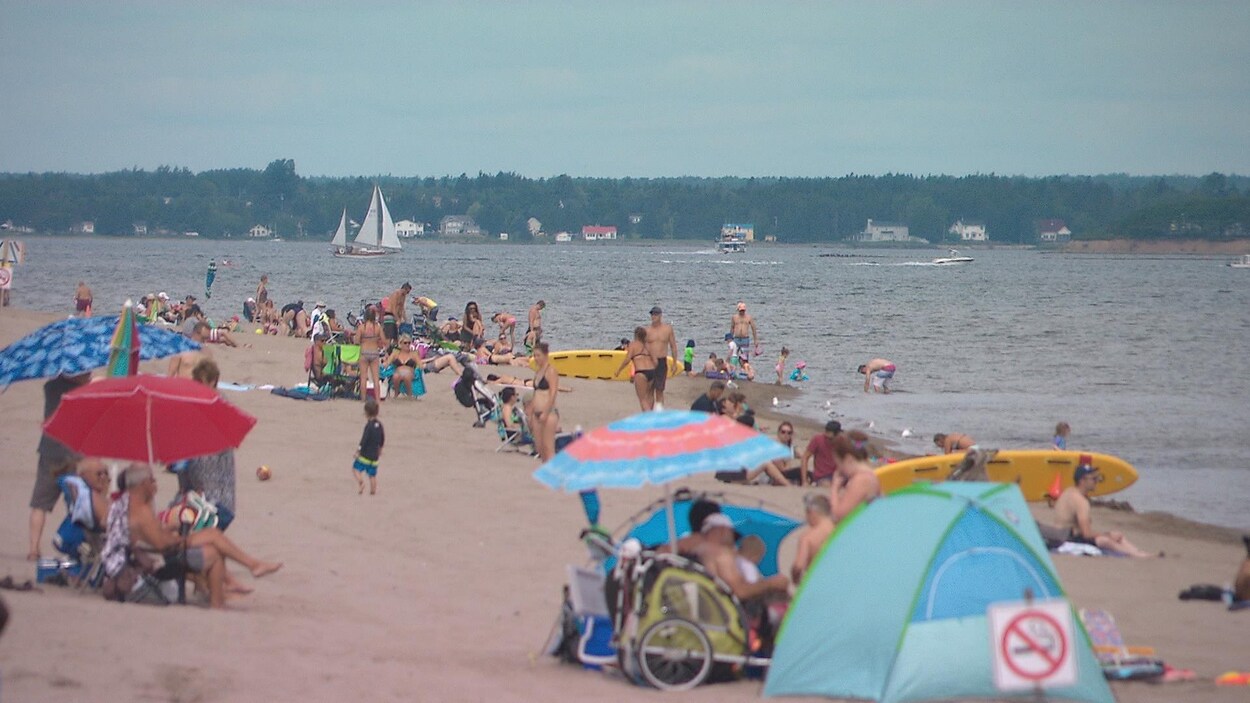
x=84, y=227
x=259, y=232
x=407, y=229
x=459, y=226
x=879, y=232
x=969, y=231
x=1053, y=232
x=597, y=233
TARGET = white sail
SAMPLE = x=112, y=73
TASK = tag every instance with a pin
x=389, y=238
x=368, y=234
x=340, y=236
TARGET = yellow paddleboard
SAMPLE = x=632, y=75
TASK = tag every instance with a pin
x=1034, y=470
x=597, y=363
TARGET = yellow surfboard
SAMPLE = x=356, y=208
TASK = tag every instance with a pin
x=1034, y=470
x=598, y=364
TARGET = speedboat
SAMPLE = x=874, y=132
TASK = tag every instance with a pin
x=1241, y=262
x=952, y=257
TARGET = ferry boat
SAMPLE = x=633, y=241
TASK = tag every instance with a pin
x=734, y=238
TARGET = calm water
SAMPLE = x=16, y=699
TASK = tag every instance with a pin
x=1145, y=357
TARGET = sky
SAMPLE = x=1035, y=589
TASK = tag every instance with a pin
x=628, y=88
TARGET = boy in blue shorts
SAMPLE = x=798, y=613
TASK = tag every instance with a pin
x=370, y=450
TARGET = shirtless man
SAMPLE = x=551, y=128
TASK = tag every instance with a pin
x=742, y=327
x=660, y=342
x=534, y=334
x=206, y=549
x=1072, y=513
x=877, y=375
x=83, y=300
x=954, y=442
x=180, y=366
x=716, y=552
x=395, y=306
x=817, y=512
x=854, y=481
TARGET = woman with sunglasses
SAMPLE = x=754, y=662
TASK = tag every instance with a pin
x=779, y=472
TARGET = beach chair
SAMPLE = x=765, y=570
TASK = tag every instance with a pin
x=518, y=439
x=1119, y=661
x=78, y=537
x=342, y=368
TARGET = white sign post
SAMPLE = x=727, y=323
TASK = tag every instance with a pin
x=1033, y=645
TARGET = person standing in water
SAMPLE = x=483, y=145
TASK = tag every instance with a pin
x=1060, y=442
x=262, y=291
x=877, y=375
x=83, y=300
x=742, y=327
x=534, y=334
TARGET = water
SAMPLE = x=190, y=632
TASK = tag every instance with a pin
x=1145, y=357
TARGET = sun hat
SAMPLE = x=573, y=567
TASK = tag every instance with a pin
x=716, y=520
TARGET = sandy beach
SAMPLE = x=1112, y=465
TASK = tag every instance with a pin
x=445, y=585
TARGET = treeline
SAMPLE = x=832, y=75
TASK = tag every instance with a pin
x=229, y=202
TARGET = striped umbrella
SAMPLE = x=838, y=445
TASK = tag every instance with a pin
x=657, y=447
x=124, y=349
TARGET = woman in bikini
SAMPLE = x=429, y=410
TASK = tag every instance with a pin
x=369, y=337
x=471, y=327
x=507, y=327
x=644, y=368
x=544, y=417
x=404, y=361
x=484, y=356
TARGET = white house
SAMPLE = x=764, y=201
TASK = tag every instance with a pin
x=592, y=233
x=503, y=236
x=407, y=229
x=459, y=226
x=563, y=237
x=886, y=232
x=1053, y=232
x=84, y=227
x=259, y=232
x=970, y=231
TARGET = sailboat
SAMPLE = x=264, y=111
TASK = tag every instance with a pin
x=377, y=236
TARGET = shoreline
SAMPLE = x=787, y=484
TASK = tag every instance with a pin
x=449, y=579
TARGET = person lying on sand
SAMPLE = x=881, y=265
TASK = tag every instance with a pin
x=506, y=380
x=1072, y=513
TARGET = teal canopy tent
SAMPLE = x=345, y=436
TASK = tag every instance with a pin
x=894, y=607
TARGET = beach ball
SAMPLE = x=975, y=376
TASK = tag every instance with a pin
x=263, y=473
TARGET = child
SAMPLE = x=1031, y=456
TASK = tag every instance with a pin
x=781, y=364
x=798, y=374
x=687, y=359
x=750, y=552
x=370, y=451
x=1061, y=436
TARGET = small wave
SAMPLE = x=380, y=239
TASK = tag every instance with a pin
x=862, y=263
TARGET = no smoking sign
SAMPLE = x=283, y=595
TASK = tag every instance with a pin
x=1032, y=645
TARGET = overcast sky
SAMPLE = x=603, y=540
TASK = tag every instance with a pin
x=628, y=88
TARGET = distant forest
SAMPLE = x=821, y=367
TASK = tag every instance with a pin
x=229, y=202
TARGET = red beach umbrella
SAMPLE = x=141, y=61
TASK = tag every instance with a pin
x=147, y=418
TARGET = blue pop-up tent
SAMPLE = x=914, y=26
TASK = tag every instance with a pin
x=894, y=607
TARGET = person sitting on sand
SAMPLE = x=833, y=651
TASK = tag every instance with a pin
x=779, y=472
x=485, y=356
x=819, y=516
x=132, y=522
x=450, y=329
x=717, y=554
x=221, y=335
x=1072, y=515
x=751, y=550
x=954, y=442
x=709, y=402
x=820, y=452
x=854, y=482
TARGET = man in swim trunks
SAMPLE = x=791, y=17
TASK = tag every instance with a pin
x=742, y=329
x=660, y=342
x=534, y=334
x=1072, y=512
x=877, y=375
x=428, y=307
x=83, y=300
x=395, y=312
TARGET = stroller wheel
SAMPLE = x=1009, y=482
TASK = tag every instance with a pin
x=674, y=655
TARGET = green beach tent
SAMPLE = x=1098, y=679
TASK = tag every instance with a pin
x=894, y=606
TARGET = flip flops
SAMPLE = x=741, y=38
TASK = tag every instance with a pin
x=7, y=584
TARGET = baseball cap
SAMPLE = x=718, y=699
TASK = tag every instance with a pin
x=656, y=310
x=833, y=426
x=320, y=304
x=163, y=295
x=716, y=520
x=1082, y=470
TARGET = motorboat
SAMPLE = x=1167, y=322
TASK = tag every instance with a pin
x=952, y=257
x=1241, y=262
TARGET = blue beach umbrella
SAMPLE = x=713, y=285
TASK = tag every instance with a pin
x=78, y=345
x=655, y=448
